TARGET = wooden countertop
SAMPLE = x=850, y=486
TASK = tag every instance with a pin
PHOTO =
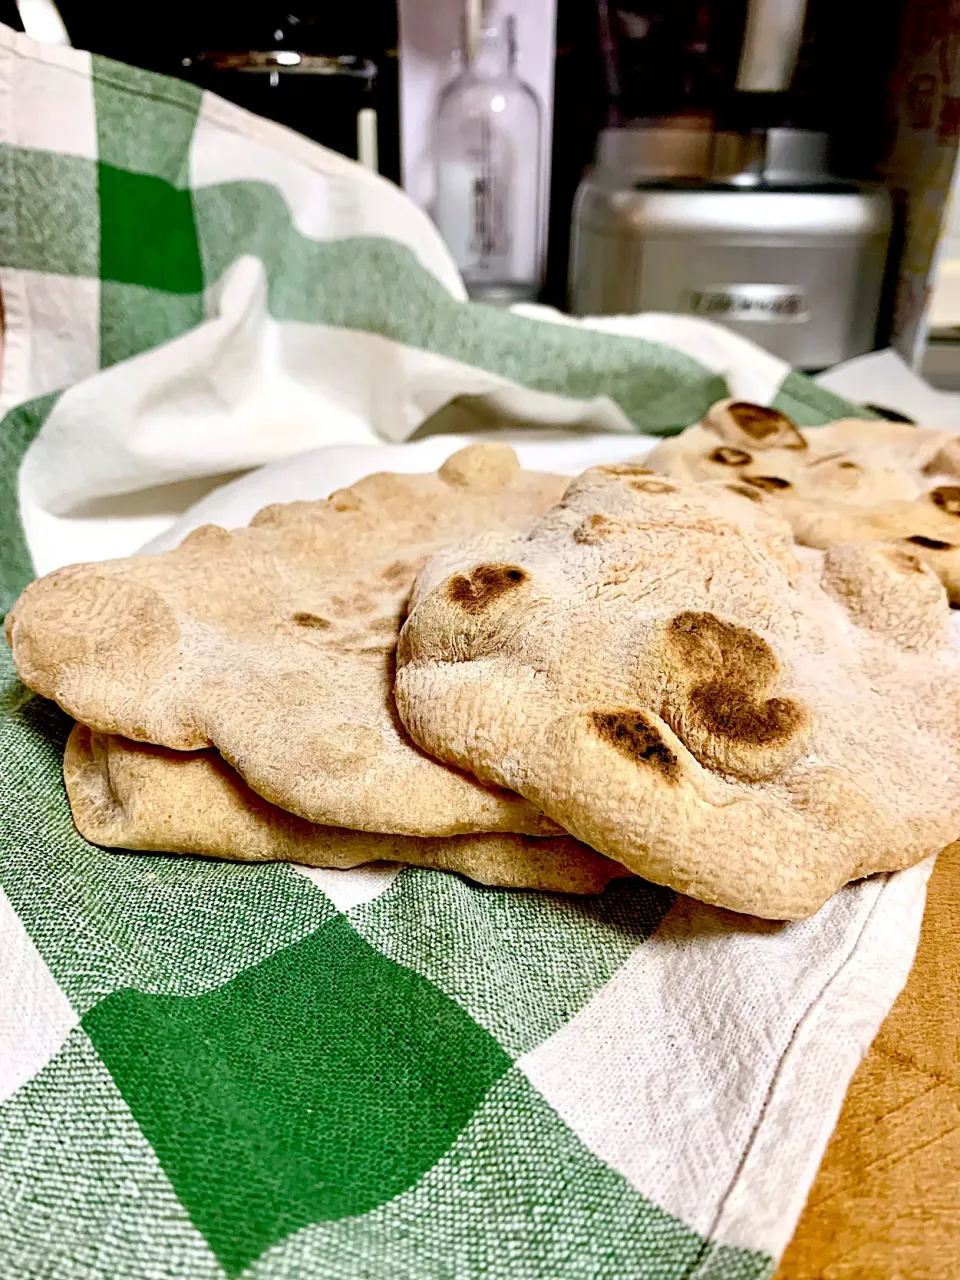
x=886, y=1202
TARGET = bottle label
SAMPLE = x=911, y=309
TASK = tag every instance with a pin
x=490, y=232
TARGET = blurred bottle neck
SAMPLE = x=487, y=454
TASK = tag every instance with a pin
x=494, y=52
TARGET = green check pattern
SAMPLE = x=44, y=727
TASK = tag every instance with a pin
x=156, y=236
x=233, y=1076
x=269, y=1086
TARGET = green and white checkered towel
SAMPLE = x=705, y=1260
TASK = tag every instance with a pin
x=210, y=1070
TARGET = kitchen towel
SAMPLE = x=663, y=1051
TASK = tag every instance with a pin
x=212, y=1070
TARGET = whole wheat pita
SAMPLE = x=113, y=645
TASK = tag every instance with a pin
x=656, y=668
x=849, y=480
x=130, y=795
x=275, y=644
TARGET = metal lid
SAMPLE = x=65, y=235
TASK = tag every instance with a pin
x=655, y=153
x=286, y=62
x=771, y=157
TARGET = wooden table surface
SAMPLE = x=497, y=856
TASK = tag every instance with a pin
x=886, y=1202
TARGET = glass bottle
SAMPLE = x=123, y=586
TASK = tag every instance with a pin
x=487, y=148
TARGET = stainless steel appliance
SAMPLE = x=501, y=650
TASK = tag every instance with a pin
x=750, y=231
x=735, y=215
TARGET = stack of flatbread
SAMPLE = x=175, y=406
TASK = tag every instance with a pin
x=539, y=683
x=234, y=696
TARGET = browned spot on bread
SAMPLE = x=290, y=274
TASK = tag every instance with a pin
x=732, y=668
x=931, y=544
x=745, y=492
x=484, y=584
x=312, y=620
x=594, y=528
x=635, y=737
x=599, y=528
x=729, y=712
x=947, y=498
x=730, y=457
x=623, y=469
x=710, y=646
x=385, y=626
x=652, y=486
x=847, y=465
x=351, y=605
x=903, y=560
x=397, y=573
x=762, y=424
x=617, y=574
x=770, y=484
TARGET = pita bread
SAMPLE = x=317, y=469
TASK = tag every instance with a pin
x=656, y=668
x=275, y=644
x=927, y=528
x=851, y=480
x=133, y=796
